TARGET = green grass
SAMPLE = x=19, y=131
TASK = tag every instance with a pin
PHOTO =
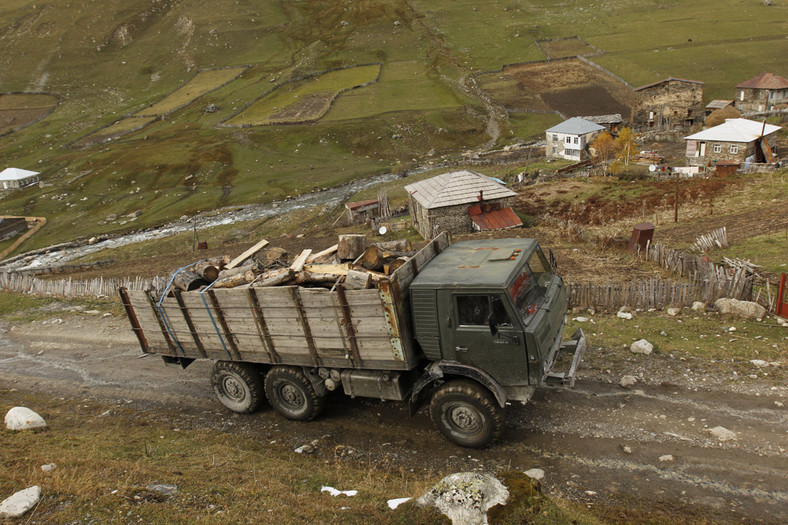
x=27, y=101
x=203, y=82
x=106, y=456
x=768, y=250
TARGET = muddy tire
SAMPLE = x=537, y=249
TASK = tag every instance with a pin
x=467, y=414
x=291, y=394
x=238, y=386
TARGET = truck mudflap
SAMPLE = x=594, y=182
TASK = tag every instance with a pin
x=576, y=347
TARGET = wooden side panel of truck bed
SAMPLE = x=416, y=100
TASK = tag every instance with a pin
x=365, y=329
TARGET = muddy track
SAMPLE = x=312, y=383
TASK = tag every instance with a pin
x=646, y=453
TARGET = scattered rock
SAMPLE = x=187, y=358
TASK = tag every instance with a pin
x=627, y=449
x=466, y=497
x=699, y=306
x=92, y=241
x=722, y=433
x=111, y=217
x=305, y=449
x=758, y=363
x=641, y=347
x=738, y=308
x=580, y=319
x=666, y=458
x=590, y=493
x=628, y=381
x=49, y=467
x=535, y=473
x=674, y=311
x=22, y=418
x=624, y=315
x=16, y=505
x=163, y=489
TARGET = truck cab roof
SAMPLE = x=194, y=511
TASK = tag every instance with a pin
x=487, y=263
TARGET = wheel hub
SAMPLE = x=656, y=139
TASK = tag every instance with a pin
x=233, y=388
x=465, y=418
x=292, y=396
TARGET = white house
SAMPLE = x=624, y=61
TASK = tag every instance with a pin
x=737, y=140
x=13, y=178
x=568, y=140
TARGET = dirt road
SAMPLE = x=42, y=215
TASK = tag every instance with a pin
x=647, y=452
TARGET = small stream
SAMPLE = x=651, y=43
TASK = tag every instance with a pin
x=60, y=254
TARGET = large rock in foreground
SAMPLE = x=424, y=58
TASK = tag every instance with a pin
x=22, y=418
x=466, y=497
x=16, y=505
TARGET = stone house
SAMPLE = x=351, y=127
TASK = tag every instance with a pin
x=460, y=202
x=737, y=140
x=669, y=104
x=764, y=92
x=569, y=139
x=15, y=178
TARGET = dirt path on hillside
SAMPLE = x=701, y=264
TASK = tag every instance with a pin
x=645, y=453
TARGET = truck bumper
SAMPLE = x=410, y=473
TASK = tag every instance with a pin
x=575, y=347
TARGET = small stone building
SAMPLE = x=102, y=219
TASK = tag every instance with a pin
x=460, y=202
x=569, y=139
x=765, y=92
x=673, y=103
x=738, y=140
x=14, y=178
x=612, y=122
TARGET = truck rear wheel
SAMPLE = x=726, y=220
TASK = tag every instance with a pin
x=466, y=413
x=291, y=394
x=238, y=386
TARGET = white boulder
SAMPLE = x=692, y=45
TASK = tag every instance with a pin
x=738, y=308
x=22, y=418
x=673, y=311
x=641, y=346
x=16, y=505
x=699, y=306
x=628, y=381
x=466, y=497
x=722, y=433
x=535, y=473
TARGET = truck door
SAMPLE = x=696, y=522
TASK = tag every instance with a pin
x=466, y=335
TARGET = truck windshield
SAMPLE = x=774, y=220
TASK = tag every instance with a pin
x=528, y=289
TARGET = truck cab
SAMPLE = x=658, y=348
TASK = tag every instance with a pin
x=491, y=312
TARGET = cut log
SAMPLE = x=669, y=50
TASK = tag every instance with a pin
x=325, y=253
x=358, y=280
x=271, y=256
x=351, y=246
x=399, y=245
x=235, y=280
x=372, y=259
x=248, y=253
x=235, y=271
x=391, y=266
x=187, y=280
x=275, y=277
x=306, y=277
x=299, y=262
x=208, y=270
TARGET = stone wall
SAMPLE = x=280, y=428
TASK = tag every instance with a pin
x=755, y=100
x=452, y=219
x=669, y=104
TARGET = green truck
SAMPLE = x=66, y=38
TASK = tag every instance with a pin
x=467, y=327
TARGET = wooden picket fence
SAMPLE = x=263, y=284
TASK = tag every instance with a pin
x=99, y=287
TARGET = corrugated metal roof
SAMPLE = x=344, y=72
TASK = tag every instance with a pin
x=735, y=130
x=719, y=104
x=670, y=79
x=575, y=126
x=360, y=204
x=765, y=81
x=497, y=220
x=456, y=187
x=16, y=174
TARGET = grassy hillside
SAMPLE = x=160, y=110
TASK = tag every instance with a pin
x=111, y=59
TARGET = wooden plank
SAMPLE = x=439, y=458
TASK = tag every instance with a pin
x=310, y=342
x=135, y=324
x=300, y=261
x=347, y=322
x=262, y=326
x=248, y=253
x=318, y=255
x=148, y=322
x=228, y=335
x=190, y=324
x=335, y=269
x=162, y=326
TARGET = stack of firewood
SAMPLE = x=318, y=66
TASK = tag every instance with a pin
x=352, y=262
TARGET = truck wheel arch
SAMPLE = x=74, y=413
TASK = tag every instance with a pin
x=442, y=370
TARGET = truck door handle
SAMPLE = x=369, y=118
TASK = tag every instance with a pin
x=461, y=348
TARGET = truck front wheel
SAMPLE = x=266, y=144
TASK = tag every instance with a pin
x=466, y=413
x=291, y=394
x=238, y=386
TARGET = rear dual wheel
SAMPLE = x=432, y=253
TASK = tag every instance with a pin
x=291, y=393
x=238, y=386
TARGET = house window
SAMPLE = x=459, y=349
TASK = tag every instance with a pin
x=555, y=138
x=718, y=148
x=734, y=149
x=577, y=140
x=741, y=95
x=568, y=140
x=651, y=115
